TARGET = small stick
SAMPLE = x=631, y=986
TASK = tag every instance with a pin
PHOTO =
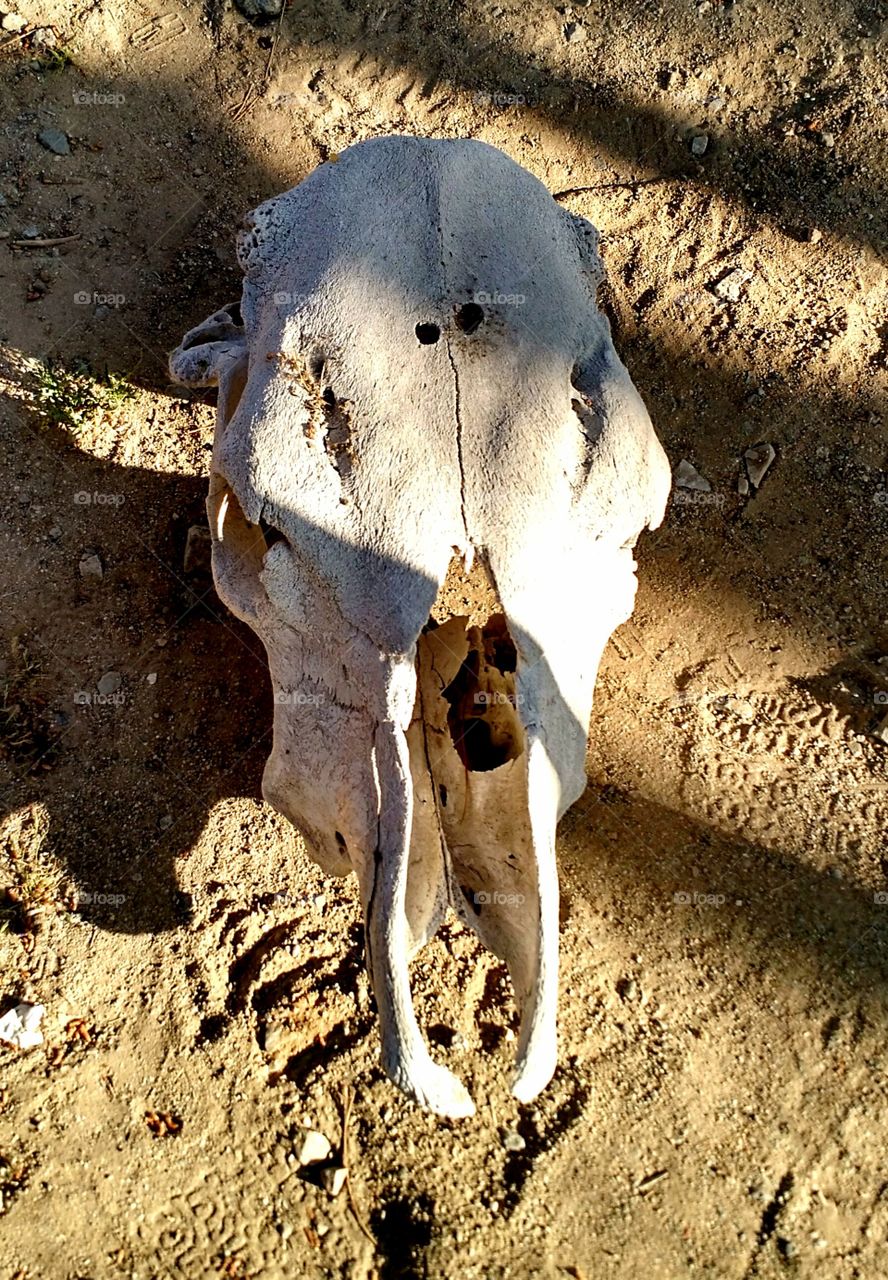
x=43, y=244
x=610, y=186
x=651, y=1180
x=252, y=94
x=344, y=1161
x=21, y=35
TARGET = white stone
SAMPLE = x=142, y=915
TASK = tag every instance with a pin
x=311, y=1147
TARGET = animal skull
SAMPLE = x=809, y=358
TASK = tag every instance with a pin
x=418, y=386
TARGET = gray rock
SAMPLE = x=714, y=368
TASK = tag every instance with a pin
x=688, y=477
x=110, y=682
x=758, y=461
x=55, y=141
x=259, y=9
x=31, y=232
x=699, y=144
x=513, y=1141
x=91, y=566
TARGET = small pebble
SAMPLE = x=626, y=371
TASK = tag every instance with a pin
x=90, y=567
x=259, y=9
x=574, y=33
x=55, y=140
x=758, y=461
x=513, y=1141
x=31, y=232
x=688, y=477
x=110, y=682
x=333, y=1179
x=729, y=287
x=13, y=22
x=310, y=1147
x=699, y=144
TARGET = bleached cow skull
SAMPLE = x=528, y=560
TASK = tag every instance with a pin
x=420, y=406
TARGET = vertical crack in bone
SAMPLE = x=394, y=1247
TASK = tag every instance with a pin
x=459, y=443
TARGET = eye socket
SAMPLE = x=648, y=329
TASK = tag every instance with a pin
x=469, y=317
x=270, y=533
x=428, y=333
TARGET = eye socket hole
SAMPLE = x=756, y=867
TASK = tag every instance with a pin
x=428, y=333
x=469, y=316
x=270, y=533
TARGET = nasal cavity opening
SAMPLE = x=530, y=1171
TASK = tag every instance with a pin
x=428, y=333
x=483, y=720
x=469, y=316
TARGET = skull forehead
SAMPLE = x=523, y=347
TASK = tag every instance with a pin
x=339, y=272
x=406, y=229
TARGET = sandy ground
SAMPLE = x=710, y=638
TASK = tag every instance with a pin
x=720, y=1105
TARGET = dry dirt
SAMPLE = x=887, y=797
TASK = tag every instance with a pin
x=725, y=919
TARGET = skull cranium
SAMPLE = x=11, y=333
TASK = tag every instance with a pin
x=421, y=388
